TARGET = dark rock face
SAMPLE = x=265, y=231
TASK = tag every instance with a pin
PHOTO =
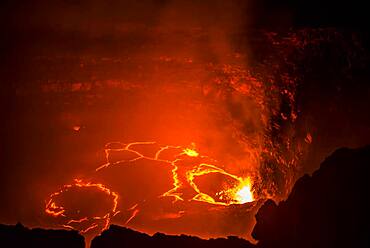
x=20, y=236
x=117, y=236
x=329, y=209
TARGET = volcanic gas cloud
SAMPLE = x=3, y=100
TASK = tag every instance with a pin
x=197, y=135
x=224, y=174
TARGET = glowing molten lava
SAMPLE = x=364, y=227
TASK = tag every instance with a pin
x=191, y=152
x=244, y=193
x=239, y=191
x=63, y=204
x=188, y=166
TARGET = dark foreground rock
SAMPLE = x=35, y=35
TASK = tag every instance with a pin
x=20, y=236
x=328, y=209
x=117, y=236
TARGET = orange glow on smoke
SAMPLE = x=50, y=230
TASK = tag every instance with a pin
x=245, y=142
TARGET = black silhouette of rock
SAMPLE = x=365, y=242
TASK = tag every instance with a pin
x=117, y=236
x=14, y=236
x=328, y=209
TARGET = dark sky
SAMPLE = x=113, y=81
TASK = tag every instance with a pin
x=76, y=15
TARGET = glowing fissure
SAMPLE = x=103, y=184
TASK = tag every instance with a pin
x=241, y=193
x=54, y=209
